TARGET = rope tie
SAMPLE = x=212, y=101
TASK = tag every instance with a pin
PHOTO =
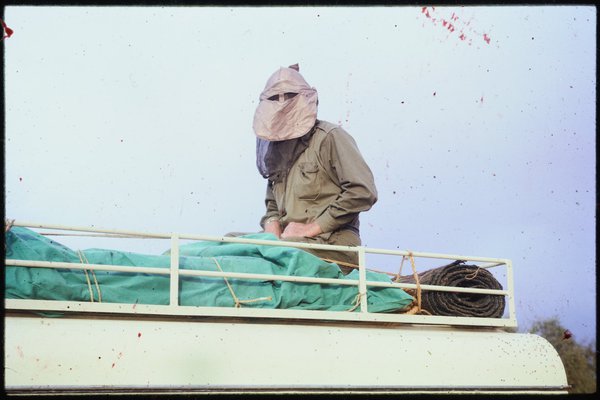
x=356, y=302
x=416, y=276
x=83, y=259
x=8, y=223
x=397, y=279
x=236, y=300
x=473, y=275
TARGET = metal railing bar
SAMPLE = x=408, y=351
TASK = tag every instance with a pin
x=436, y=288
x=104, y=235
x=166, y=310
x=270, y=243
x=491, y=265
x=244, y=275
x=102, y=267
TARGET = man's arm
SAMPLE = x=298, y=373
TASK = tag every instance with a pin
x=345, y=163
x=270, y=221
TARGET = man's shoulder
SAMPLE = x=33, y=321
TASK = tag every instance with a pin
x=326, y=126
x=332, y=132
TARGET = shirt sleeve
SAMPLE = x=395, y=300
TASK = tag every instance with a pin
x=272, y=210
x=345, y=165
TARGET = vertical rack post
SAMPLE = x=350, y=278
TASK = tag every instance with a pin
x=362, y=279
x=511, y=293
x=174, y=287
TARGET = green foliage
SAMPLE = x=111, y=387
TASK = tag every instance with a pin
x=579, y=359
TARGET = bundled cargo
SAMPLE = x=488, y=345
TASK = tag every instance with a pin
x=153, y=288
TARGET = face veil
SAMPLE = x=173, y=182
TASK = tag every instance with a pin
x=283, y=122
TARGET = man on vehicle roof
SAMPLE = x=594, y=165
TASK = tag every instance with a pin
x=318, y=181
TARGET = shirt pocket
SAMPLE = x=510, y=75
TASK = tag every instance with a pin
x=308, y=183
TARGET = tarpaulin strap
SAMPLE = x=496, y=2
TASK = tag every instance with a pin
x=238, y=302
x=82, y=257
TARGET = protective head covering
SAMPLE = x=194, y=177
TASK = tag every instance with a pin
x=287, y=107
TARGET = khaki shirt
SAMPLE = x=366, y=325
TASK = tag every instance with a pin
x=329, y=184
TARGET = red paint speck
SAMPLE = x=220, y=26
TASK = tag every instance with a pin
x=113, y=365
x=462, y=36
x=486, y=38
x=7, y=31
x=139, y=334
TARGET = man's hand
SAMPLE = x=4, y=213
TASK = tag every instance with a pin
x=297, y=229
x=273, y=227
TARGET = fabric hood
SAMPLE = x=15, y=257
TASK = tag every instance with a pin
x=283, y=119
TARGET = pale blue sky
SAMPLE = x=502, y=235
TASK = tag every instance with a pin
x=481, y=135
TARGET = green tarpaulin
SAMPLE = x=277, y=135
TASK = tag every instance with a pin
x=143, y=288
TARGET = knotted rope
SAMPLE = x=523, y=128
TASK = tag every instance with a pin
x=83, y=259
x=417, y=281
x=236, y=300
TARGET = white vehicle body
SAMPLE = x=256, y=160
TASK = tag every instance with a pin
x=138, y=348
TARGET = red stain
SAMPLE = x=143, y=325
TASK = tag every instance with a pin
x=7, y=31
x=567, y=335
x=452, y=23
x=139, y=334
x=113, y=365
